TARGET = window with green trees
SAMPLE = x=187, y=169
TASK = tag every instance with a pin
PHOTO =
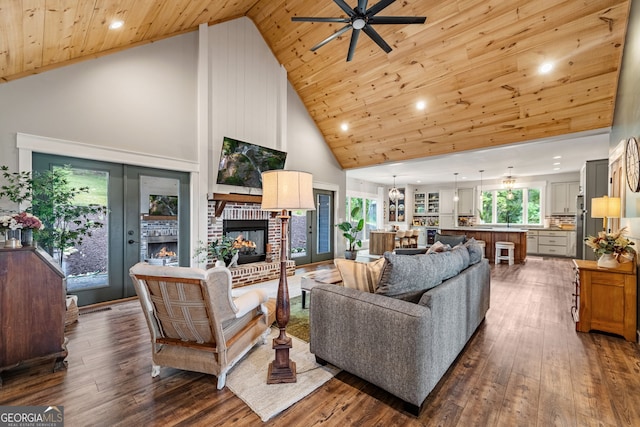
x=368, y=210
x=518, y=206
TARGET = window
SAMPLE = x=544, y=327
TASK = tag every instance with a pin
x=519, y=206
x=368, y=211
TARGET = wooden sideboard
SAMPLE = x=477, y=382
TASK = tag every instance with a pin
x=32, y=308
x=606, y=298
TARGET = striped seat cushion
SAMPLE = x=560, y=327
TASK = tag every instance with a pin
x=363, y=276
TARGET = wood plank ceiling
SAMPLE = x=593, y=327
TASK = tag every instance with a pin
x=474, y=64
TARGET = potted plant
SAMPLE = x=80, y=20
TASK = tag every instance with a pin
x=611, y=248
x=223, y=249
x=350, y=232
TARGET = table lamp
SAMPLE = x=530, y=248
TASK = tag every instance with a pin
x=284, y=191
x=605, y=207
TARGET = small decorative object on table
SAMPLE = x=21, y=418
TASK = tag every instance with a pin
x=29, y=223
x=611, y=248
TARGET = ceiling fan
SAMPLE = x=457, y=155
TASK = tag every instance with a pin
x=361, y=19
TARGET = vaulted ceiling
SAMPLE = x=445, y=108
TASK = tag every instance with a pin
x=474, y=64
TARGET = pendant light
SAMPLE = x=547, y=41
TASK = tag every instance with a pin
x=455, y=188
x=508, y=184
x=394, y=193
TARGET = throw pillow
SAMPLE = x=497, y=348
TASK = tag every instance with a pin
x=363, y=276
x=452, y=262
x=438, y=247
x=451, y=240
x=475, y=251
x=404, y=274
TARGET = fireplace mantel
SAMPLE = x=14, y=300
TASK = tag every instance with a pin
x=221, y=200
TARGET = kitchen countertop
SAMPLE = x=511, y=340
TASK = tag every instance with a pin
x=496, y=229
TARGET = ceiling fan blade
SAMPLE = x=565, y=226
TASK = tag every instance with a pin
x=397, y=19
x=344, y=6
x=312, y=19
x=352, y=46
x=362, y=6
x=378, y=7
x=335, y=35
x=376, y=38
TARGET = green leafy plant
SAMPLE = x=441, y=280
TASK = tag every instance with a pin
x=55, y=202
x=350, y=231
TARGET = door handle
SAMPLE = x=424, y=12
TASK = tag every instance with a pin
x=131, y=241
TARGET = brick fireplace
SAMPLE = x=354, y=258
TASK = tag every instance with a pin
x=253, y=272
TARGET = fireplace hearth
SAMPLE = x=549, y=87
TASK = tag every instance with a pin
x=250, y=238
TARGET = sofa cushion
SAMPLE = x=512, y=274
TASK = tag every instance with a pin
x=438, y=247
x=452, y=262
x=410, y=251
x=451, y=240
x=363, y=276
x=475, y=251
x=408, y=274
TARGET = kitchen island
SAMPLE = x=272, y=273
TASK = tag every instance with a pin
x=491, y=235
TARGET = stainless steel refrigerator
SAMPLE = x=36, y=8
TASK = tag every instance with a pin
x=595, y=178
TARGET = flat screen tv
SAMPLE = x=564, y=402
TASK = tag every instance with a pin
x=163, y=205
x=242, y=163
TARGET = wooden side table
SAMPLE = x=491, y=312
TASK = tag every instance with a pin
x=606, y=298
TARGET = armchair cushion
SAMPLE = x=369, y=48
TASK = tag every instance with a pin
x=249, y=300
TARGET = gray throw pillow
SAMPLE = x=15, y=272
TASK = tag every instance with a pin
x=449, y=239
x=475, y=251
x=403, y=274
x=452, y=262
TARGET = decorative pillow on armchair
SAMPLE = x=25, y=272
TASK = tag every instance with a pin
x=363, y=276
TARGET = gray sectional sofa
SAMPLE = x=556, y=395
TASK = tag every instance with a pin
x=404, y=337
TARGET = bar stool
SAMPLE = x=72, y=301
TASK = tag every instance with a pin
x=510, y=247
x=413, y=240
x=399, y=238
x=483, y=245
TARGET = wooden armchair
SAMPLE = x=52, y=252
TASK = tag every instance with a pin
x=194, y=322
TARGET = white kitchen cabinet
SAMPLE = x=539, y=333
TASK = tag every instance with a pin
x=419, y=204
x=465, y=202
x=532, y=242
x=446, y=202
x=563, y=197
x=433, y=203
x=552, y=242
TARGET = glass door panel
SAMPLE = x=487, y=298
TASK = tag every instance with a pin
x=311, y=232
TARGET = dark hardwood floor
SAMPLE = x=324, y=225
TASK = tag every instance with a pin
x=525, y=366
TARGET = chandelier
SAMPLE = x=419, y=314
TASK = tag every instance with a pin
x=394, y=193
x=509, y=183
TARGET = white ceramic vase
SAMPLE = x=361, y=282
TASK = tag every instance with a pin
x=607, y=261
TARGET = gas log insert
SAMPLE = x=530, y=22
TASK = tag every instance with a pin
x=250, y=238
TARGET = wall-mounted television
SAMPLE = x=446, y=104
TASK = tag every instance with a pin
x=163, y=205
x=242, y=163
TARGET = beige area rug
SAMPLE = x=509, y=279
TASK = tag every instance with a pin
x=248, y=379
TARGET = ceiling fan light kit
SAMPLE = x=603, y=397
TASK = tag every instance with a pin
x=361, y=19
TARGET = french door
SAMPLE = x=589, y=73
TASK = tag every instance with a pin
x=98, y=269
x=312, y=231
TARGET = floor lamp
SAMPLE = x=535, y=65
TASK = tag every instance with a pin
x=284, y=191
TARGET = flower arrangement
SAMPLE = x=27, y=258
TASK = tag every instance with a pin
x=28, y=221
x=22, y=220
x=611, y=243
x=8, y=222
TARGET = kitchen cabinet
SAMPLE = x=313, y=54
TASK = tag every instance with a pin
x=419, y=204
x=563, y=197
x=605, y=298
x=552, y=242
x=465, y=202
x=532, y=242
x=433, y=203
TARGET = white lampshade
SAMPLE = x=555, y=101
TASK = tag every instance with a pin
x=599, y=207
x=605, y=207
x=287, y=190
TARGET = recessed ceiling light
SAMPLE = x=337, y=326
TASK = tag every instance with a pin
x=546, y=67
x=418, y=181
x=556, y=169
x=421, y=105
x=344, y=127
x=116, y=24
x=557, y=157
x=556, y=164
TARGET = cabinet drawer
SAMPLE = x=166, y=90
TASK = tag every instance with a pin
x=552, y=250
x=553, y=241
x=552, y=233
